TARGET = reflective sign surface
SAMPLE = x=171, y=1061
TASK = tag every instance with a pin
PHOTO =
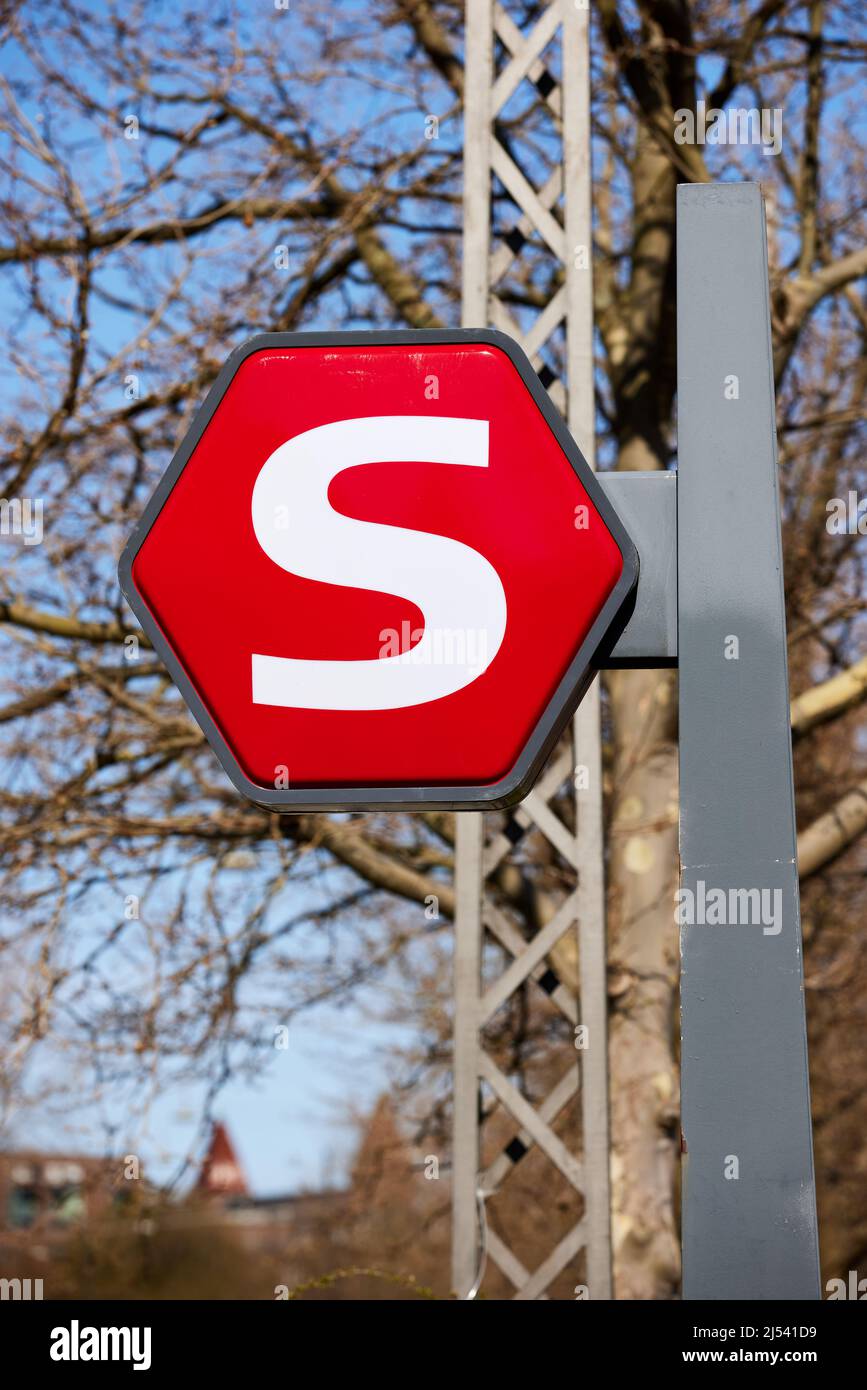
x=374, y=565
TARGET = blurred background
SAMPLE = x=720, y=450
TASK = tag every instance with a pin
x=225, y=1036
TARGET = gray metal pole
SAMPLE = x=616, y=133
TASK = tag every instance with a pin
x=465, y=1043
x=749, y=1211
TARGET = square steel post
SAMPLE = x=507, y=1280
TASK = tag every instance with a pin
x=749, y=1211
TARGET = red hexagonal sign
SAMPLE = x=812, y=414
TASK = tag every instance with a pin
x=379, y=570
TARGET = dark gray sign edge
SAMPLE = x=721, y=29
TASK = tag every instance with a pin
x=573, y=685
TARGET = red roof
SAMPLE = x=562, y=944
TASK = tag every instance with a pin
x=221, y=1171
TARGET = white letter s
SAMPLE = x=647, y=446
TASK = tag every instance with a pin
x=456, y=588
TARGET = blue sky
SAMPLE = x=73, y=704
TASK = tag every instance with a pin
x=290, y=1124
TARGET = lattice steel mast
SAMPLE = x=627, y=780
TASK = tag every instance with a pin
x=509, y=211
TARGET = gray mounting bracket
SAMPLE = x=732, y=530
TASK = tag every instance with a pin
x=647, y=505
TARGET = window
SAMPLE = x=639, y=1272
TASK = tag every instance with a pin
x=67, y=1205
x=22, y=1207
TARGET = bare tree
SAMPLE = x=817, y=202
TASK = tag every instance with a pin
x=171, y=184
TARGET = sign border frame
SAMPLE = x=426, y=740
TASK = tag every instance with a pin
x=606, y=627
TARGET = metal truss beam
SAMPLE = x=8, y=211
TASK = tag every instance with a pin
x=516, y=209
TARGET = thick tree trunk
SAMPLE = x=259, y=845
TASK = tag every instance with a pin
x=643, y=955
x=643, y=943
